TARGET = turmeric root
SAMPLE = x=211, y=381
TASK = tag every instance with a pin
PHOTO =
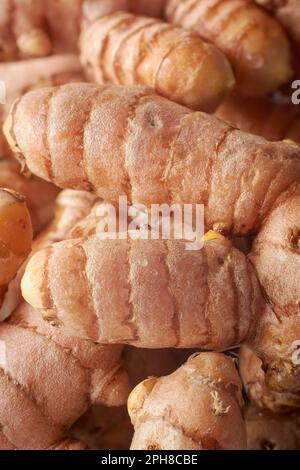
x=36, y=28
x=274, y=379
x=144, y=148
x=276, y=255
x=288, y=13
x=15, y=236
x=271, y=431
x=41, y=394
x=29, y=27
x=40, y=195
x=254, y=42
x=126, y=49
x=23, y=30
x=19, y=77
x=70, y=208
x=198, y=407
x=261, y=116
x=119, y=291
x=262, y=380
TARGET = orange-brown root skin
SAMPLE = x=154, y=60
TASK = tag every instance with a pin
x=271, y=431
x=15, y=235
x=288, y=13
x=260, y=116
x=79, y=284
x=37, y=374
x=276, y=258
x=126, y=49
x=42, y=27
x=206, y=417
x=269, y=382
x=237, y=176
x=21, y=76
x=39, y=195
x=253, y=41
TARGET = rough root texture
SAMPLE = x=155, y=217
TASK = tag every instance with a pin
x=261, y=116
x=152, y=142
x=21, y=76
x=276, y=257
x=119, y=291
x=126, y=49
x=272, y=383
x=198, y=407
x=38, y=369
x=253, y=41
x=37, y=28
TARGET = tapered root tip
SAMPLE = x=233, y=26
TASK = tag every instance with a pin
x=115, y=393
x=36, y=43
x=33, y=284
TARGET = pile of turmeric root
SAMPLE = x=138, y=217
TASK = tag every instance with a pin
x=133, y=343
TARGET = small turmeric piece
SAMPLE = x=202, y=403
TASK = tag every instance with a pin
x=177, y=412
x=15, y=236
x=39, y=194
x=253, y=41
